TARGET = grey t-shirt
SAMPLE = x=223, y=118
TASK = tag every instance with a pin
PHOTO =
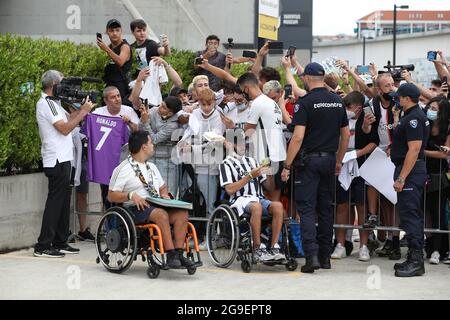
x=218, y=60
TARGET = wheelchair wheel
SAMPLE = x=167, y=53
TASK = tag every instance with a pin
x=291, y=265
x=222, y=236
x=245, y=251
x=153, y=271
x=192, y=270
x=116, y=240
x=246, y=266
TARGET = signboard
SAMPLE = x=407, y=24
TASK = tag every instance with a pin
x=268, y=27
x=270, y=8
x=291, y=19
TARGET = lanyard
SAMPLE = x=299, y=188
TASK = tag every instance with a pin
x=147, y=185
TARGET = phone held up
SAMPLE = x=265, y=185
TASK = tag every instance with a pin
x=291, y=51
x=431, y=55
x=249, y=54
x=99, y=35
x=287, y=91
x=198, y=61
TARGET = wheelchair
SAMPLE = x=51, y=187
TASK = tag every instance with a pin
x=230, y=237
x=119, y=241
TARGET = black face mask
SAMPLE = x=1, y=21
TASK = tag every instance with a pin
x=387, y=96
x=246, y=96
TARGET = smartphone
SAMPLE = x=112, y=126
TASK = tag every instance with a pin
x=276, y=45
x=99, y=35
x=198, y=61
x=249, y=54
x=368, y=110
x=362, y=69
x=291, y=51
x=444, y=79
x=431, y=55
x=287, y=91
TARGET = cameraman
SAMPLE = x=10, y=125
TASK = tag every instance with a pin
x=55, y=129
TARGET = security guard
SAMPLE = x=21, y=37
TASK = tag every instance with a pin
x=320, y=118
x=407, y=154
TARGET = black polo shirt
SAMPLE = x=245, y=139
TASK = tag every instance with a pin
x=413, y=126
x=323, y=114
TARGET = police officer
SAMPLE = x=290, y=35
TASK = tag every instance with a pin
x=407, y=154
x=320, y=119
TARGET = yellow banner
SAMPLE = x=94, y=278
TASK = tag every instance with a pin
x=268, y=27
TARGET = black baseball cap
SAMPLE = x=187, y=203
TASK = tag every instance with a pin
x=176, y=91
x=313, y=69
x=408, y=90
x=113, y=23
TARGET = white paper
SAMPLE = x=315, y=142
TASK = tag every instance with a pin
x=378, y=170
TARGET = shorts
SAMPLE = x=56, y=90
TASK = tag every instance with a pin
x=84, y=183
x=355, y=194
x=141, y=216
x=265, y=205
x=277, y=169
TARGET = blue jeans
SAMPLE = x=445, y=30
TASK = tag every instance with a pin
x=169, y=172
x=265, y=205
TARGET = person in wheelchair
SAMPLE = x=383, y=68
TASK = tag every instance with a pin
x=242, y=178
x=136, y=178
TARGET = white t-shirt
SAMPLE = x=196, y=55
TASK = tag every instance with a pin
x=269, y=142
x=55, y=146
x=151, y=89
x=124, y=179
x=239, y=117
x=383, y=130
x=124, y=111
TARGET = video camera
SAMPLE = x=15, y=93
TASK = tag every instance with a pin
x=396, y=71
x=69, y=91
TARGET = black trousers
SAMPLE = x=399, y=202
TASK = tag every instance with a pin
x=410, y=204
x=313, y=193
x=55, y=221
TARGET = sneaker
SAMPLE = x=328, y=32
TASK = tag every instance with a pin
x=339, y=252
x=68, y=249
x=435, y=256
x=86, y=235
x=203, y=246
x=446, y=258
x=364, y=254
x=275, y=252
x=185, y=262
x=386, y=250
x=395, y=254
x=48, y=253
x=371, y=222
x=261, y=254
x=173, y=260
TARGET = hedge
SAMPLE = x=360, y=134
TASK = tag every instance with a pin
x=23, y=61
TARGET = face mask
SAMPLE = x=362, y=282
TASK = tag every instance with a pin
x=241, y=107
x=207, y=114
x=422, y=105
x=246, y=96
x=350, y=115
x=432, y=115
x=387, y=96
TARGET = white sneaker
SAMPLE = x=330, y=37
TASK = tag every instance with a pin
x=339, y=252
x=435, y=258
x=202, y=246
x=364, y=254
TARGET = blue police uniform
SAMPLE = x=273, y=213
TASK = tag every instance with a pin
x=323, y=115
x=413, y=126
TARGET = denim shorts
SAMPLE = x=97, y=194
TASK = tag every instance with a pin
x=265, y=205
x=141, y=216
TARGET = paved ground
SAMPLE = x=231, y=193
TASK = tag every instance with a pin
x=23, y=276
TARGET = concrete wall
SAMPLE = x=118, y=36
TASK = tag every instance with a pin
x=22, y=203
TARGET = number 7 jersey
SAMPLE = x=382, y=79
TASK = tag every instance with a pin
x=106, y=135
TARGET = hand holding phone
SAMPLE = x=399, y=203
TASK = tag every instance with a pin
x=368, y=110
x=198, y=61
x=99, y=35
x=287, y=91
x=249, y=54
x=431, y=55
x=291, y=51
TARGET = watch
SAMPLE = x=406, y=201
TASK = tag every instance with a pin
x=287, y=167
x=400, y=179
x=130, y=195
x=249, y=174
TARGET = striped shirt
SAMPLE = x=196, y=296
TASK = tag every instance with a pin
x=233, y=169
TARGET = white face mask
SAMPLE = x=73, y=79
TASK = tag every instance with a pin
x=422, y=105
x=207, y=114
x=350, y=115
